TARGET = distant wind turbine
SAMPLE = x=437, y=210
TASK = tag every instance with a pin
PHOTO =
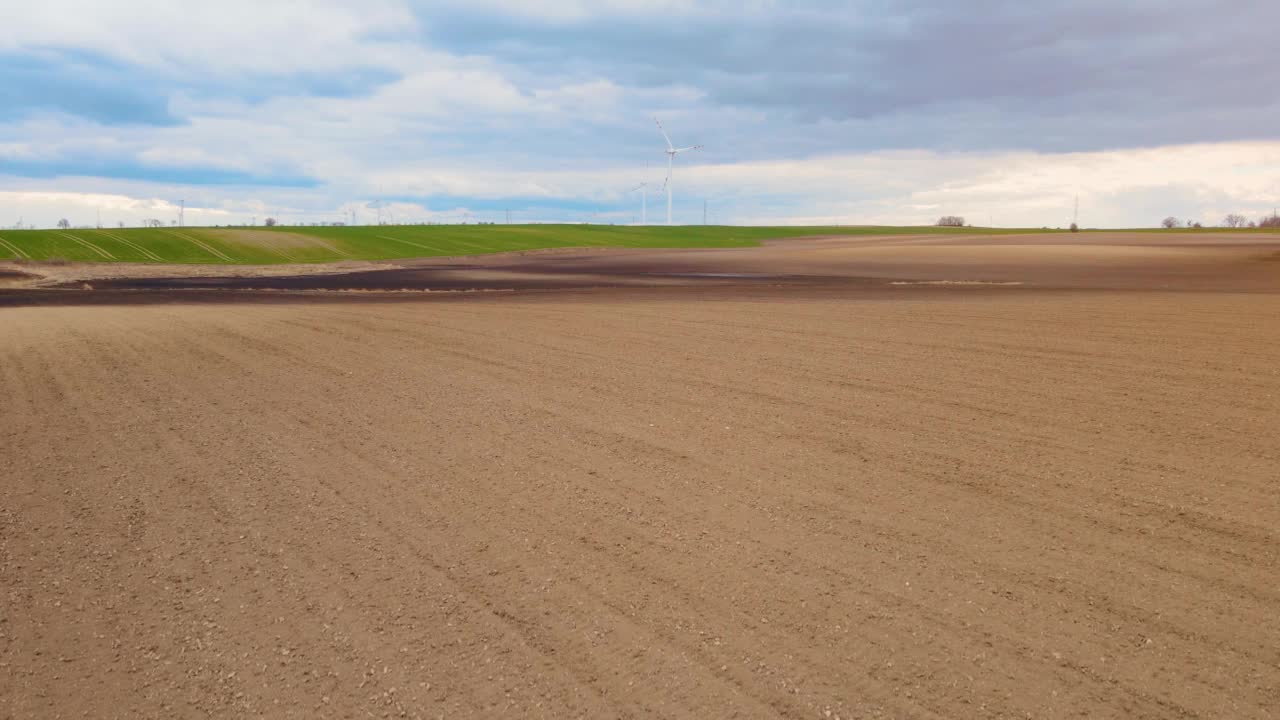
x=672, y=151
x=644, y=202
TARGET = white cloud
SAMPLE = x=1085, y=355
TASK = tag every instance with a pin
x=1130, y=188
x=566, y=118
x=225, y=37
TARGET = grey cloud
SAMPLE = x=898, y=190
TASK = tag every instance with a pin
x=1053, y=76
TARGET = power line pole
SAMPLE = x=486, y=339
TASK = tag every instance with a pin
x=704, y=212
x=182, y=213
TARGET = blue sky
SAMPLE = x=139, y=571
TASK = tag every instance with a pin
x=853, y=112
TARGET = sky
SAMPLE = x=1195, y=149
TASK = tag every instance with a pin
x=810, y=112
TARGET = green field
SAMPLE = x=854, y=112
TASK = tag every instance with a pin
x=252, y=246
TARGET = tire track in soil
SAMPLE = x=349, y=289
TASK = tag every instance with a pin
x=18, y=253
x=101, y=253
x=150, y=254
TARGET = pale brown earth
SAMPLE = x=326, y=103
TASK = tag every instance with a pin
x=1118, y=260
x=736, y=498
x=14, y=278
x=29, y=274
x=1091, y=260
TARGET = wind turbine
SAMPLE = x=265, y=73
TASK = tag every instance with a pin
x=644, y=202
x=672, y=151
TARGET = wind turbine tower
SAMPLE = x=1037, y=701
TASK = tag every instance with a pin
x=672, y=151
x=644, y=202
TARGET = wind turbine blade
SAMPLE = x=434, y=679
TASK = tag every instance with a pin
x=691, y=147
x=664, y=135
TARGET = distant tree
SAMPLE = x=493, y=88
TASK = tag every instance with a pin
x=950, y=221
x=1234, y=220
x=269, y=222
x=1075, y=228
x=1270, y=222
x=1195, y=224
x=64, y=223
x=1170, y=222
x=1253, y=224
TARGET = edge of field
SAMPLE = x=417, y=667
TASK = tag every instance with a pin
x=311, y=245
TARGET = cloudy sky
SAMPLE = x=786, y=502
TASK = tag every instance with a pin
x=867, y=111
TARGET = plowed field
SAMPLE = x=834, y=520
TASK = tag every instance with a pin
x=929, y=501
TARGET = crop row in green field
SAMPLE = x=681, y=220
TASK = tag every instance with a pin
x=130, y=245
x=382, y=242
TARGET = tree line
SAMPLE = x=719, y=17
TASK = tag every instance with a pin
x=1232, y=220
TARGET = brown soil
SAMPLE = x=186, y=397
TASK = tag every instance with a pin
x=69, y=274
x=1102, y=260
x=730, y=498
x=15, y=278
